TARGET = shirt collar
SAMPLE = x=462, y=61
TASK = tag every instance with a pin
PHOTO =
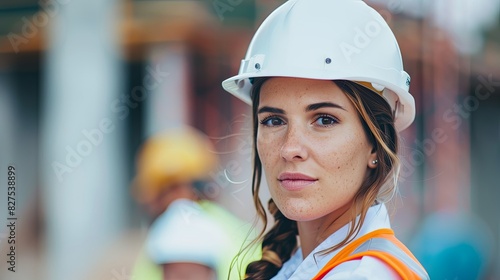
x=376, y=218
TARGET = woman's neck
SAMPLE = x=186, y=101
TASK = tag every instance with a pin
x=312, y=233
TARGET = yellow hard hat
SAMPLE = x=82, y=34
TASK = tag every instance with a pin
x=180, y=155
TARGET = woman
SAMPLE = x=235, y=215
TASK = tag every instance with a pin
x=329, y=95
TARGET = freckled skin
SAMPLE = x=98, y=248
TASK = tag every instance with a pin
x=337, y=155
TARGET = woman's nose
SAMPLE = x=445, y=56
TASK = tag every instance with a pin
x=293, y=147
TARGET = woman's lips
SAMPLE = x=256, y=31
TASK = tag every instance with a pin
x=295, y=181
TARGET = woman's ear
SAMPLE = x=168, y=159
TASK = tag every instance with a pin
x=373, y=160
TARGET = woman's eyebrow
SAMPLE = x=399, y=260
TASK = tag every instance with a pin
x=316, y=106
x=267, y=109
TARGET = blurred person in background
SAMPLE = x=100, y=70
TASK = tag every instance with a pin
x=329, y=94
x=175, y=166
x=187, y=242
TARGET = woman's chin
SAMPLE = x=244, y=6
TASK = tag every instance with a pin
x=298, y=210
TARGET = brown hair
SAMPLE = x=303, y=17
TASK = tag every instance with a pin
x=377, y=119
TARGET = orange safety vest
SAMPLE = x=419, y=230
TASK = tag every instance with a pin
x=383, y=245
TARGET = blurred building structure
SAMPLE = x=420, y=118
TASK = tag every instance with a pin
x=69, y=65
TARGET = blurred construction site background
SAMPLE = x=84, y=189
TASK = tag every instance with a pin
x=84, y=82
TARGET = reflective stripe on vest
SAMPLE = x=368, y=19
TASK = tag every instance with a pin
x=383, y=245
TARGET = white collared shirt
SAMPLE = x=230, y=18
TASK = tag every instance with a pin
x=367, y=267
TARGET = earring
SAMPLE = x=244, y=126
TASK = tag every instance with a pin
x=375, y=161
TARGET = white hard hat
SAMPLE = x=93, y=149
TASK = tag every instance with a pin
x=184, y=233
x=328, y=40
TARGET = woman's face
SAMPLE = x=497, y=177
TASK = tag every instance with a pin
x=312, y=145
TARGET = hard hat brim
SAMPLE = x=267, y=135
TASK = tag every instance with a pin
x=240, y=87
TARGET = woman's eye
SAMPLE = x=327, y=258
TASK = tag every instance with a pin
x=325, y=121
x=272, y=121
